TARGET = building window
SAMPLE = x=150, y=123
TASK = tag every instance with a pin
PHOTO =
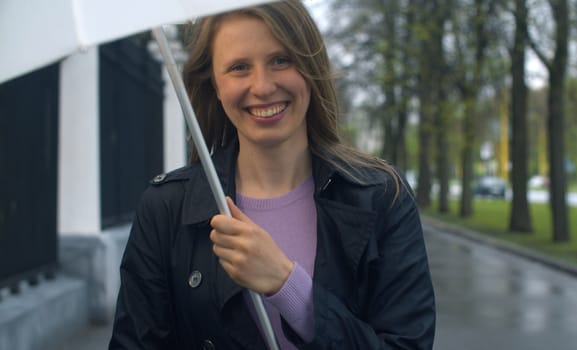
x=131, y=127
x=28, y=180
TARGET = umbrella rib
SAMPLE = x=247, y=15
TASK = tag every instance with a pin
x=77, y=16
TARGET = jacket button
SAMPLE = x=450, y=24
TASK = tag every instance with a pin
x=207, y=345
x=159, y=178
x=195, y=279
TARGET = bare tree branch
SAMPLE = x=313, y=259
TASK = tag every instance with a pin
x=538, y=52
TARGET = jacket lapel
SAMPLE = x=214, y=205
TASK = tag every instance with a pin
x=199, y=207
x=343, y=235
x=346, y=220
x=199, y=203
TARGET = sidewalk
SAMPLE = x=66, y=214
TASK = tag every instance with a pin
x=92, y=338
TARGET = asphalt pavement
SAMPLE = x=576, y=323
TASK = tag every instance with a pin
x=487, y=298
x=490, y=298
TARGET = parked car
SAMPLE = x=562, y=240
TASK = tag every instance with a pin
x=538, y=181
x=491, y=186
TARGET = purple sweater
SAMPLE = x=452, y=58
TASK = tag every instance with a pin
x=291, y=221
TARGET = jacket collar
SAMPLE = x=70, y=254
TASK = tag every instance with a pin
x=325, y=169
x=224, y=160
x=198, y=190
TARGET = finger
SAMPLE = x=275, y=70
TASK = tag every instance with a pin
x=236, y=213
x=222, y=251
x=221, y=239
x=233, y=241
x=225, y=224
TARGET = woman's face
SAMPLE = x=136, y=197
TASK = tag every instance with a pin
x=263, y=94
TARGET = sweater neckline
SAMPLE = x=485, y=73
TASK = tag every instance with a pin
x=305, y=189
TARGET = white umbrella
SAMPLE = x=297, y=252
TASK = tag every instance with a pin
x=34, y=33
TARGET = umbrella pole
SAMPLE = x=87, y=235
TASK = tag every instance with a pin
x=207, y=164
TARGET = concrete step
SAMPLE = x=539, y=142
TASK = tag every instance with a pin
x=39, y=315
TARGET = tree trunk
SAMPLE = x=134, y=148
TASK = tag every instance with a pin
x=442, y=125
x=388, y=83
x=558, y=178
x=470, y=94
x=406, y=70
x=467, y=158
x=425, y=135
x=555, y=124
x=430, y=65
x=400, y=137
x=388, y=150
x=443, y=158
x=520, y=219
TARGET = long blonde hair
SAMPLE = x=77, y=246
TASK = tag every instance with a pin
x=292, y=25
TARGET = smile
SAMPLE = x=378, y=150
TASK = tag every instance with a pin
x=269, y=111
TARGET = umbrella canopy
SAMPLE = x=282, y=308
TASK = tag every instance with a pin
x=34, y=33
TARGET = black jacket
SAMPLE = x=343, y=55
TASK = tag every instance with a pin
x=371, y=286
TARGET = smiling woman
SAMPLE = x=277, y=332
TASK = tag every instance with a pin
x=329, y=236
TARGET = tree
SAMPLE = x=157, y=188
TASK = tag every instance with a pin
x=571, y=128
x=443, y=155
x=432, y=16
x=556, y=67
x=398, y=51
x=375, y=42
x=471, y=43
x=520, y=218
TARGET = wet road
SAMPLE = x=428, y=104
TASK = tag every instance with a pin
x=487, y=299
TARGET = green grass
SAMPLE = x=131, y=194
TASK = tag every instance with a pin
x=491, y=217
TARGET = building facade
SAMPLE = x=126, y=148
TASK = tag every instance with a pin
x=79, y=141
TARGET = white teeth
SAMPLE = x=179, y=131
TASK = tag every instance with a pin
x=268, y=112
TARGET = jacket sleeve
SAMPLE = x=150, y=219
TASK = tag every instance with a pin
x=144, y=317
x=398, y=297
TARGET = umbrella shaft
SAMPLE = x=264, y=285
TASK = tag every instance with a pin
x=207, y=164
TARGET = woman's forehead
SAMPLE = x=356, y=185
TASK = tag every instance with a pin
x=244, y=33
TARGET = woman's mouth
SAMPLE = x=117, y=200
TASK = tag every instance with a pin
x=268, y=112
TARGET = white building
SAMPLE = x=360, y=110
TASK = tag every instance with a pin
x=109, y=141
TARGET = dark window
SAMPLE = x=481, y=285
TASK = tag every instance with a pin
x=28, y=175
x=131, y=127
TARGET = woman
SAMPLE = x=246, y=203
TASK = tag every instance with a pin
x=330, y=237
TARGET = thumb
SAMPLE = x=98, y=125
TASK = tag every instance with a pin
x=236, y=213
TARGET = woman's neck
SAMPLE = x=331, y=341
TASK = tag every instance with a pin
x=268, y=173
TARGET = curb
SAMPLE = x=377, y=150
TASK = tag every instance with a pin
x=481, y=238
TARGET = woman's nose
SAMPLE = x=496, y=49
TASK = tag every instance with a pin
x=263, y=82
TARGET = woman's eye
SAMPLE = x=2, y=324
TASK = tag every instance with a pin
x=239, y=67
x=281, y=60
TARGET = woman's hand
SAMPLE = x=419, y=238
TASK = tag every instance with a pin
x=248, y=253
